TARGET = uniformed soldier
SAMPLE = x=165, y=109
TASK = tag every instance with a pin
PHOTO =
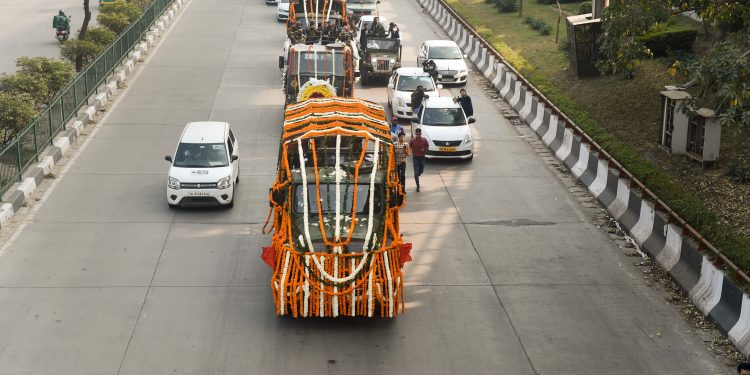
x=376, y=29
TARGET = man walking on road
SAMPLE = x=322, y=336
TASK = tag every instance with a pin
x=401, y=150
x=418, y=146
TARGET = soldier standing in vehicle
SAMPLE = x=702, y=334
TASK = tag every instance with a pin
x=376, y=29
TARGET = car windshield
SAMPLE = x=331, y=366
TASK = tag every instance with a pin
x=444, y=117
x=383, y=44
x=201, y=155
x=321, y=63
x=444, y=53
x=328, y=199
x=410, y=83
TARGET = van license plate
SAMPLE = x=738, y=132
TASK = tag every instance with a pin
x=447, y=149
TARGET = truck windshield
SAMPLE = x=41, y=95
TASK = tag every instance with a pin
x=322, y=63
x=444, y=117
x=201, y=155
x=328, y=199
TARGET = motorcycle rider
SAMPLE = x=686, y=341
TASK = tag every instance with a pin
x=61, y=22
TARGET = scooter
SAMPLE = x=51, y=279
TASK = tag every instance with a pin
x=61, y=35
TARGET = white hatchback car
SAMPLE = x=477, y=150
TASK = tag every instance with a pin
x=446, y=128
x=448, y=58
x=282, y=10
x=402, y=84
x=205, y=168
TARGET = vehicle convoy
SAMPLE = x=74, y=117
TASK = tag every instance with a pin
x=313, y=71
x=359, y=8
x=337, y=249
x=379, y=59
x=205, y=167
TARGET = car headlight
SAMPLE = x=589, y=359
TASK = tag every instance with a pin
x=463, y=71
x=392, y=61
x=373, y=60
x=224, y=183
x=401, y=102
x=467, y=138
x=173, y=183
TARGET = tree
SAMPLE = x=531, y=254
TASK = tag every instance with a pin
x=79, y=60
x=131, y=10
x=56, y=73
x=722, y=79
x=80, y=51
x=101, y=36
x=16, y=112
x=117, y=22
x=623, y=22
x=24, y=83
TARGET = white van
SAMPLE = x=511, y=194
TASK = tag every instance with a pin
x=205, y=167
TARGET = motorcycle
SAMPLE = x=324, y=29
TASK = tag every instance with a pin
x=62, y=35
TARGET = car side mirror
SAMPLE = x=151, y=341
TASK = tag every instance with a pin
x=168, y=158
x=391, y=86
x=281, y=62
x=278, y=197
x=235, y=157
x=472, y=120
x=440, y=87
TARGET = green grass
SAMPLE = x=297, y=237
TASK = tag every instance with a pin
x=603, y=107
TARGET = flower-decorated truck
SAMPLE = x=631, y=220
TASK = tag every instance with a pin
x=336, y=248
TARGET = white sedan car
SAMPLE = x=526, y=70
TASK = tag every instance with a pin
x=402, y=84
x=448, y=58
x=282, y=10
x=446, y=128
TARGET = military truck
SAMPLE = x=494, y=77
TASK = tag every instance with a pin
x=309, y=71
x=380, y=58
x=337, y=248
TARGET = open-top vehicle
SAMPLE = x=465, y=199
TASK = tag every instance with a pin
x=380, y=58
x=337, y=248
x=313, y=71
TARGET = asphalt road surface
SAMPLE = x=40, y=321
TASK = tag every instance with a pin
x=106, y=279
x=27, y=28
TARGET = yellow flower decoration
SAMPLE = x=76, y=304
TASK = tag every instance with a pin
x=315, y=88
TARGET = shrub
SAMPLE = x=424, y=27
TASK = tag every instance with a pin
x=528, y=20
x=56, y=73
x=739, y=172
x=101, y=36
x=506, y=6
x=564, y=46
x=585, y=8
x=131, y=10
x=86, y=49
x=662, y=40
x=539, y=25
x=117, y=22
x=16, y=111
x=553, y=1
x=24, y=83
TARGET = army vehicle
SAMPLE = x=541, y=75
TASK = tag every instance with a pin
x=310, y=71
x=337, y=248
x=380, y=58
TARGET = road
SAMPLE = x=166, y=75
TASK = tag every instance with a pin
x=510, y=275
x=27, y=28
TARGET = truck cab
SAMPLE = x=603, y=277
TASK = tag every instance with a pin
x=330, y=67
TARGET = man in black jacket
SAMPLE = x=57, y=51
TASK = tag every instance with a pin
x=465, y=101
